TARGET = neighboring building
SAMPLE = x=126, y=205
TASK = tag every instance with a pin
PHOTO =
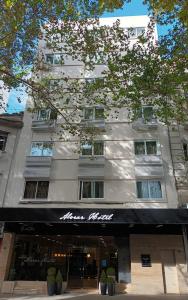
x=3, y=97
x=114, y=203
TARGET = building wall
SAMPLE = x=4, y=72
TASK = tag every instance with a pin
x=167, y=273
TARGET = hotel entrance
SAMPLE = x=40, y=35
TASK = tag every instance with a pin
x=79, y=258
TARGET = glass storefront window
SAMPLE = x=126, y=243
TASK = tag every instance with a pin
x=79, y=258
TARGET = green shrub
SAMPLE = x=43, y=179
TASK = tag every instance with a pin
x=110, y=271
x=103, y=277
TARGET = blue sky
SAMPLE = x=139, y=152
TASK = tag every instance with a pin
x=135, y=8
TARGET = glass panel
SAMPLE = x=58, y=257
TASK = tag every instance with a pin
x=155, y=189
x=88, y=113
x=43, y=114
x=139, y=148
x=86, y=149
x=30, y=189
x=47, y=149
x=132, y=32
x=185, y=151
x=99, y=189
x=151, y=148
x=99, y=113
x=3, y=140
x=86, y=193
x=36, y=149
x=57, y=59
x=142, y=189
x=148, y=113
x=140, y=30
x=98, y=148
x=49, y=59
x=42, y=189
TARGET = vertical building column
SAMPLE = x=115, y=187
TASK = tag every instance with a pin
x=6, y=255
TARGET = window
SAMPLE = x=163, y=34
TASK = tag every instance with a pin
x=149, y=189
x=146, y=148
x=185, y=151
x=46, y=114
x=146, y=113
x=91, y=189
x=36, y=189
x=93, y=113
x=95, y=148
x=54, y=59
x=41, y=149
x=135, y=31
x=3, y=141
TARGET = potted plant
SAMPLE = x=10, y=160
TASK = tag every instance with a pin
x=58, y=280
x=103, y=283
x=51, y=282
x=111, y=286
x=110, y=272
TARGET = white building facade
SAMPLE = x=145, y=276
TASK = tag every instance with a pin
x=85, y=207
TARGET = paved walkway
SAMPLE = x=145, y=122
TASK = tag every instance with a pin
x=91, y=296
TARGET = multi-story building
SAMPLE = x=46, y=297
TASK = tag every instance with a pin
x=82, y=207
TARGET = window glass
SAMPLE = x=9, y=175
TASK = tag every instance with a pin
x=148, y=113
x=42, y=189
x=3, y=140
x=57, y=59
x=86, y=149
x=155, y=189
x=142, y=189
x=140, y=30
x=41, y=149
x=36, y=149
x=49, y=59
x=132, y=32
x=139, y=148
x=99, y=113
x=47, y=149
x=86, y=189
x=151, y=147
x=98, y=148
x=99, y=189
x=43, y=114
x=185, y=151
x=149, y=189
x=88, y=114
x=92, y=189
x=30, y=189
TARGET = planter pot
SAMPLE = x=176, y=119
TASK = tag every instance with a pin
x=111, y=289
x=58, y=288
x=103, y=287
x=51, y=288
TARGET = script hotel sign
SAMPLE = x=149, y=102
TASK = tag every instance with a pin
x=94, y=216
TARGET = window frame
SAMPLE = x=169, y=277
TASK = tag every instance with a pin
x=158, y=152
x=92, y=149
x=4, y=137
x=148, y=189
x=94, y=109
x=36, y=189
x=93, y=189
x=43, y=148
x=129, y=29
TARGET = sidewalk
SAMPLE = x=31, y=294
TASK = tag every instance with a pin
x=91, y=296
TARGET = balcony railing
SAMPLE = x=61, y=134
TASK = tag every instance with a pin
x=38, y=166
x=91, y=167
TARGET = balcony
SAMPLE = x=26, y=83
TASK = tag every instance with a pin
x=96, y=124
x=37, y=167
x=142, y=125
x=91, y=167
x=144, y=171
x=44, y=120
x=148, y=159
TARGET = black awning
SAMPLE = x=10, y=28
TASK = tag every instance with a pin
x=84, y=215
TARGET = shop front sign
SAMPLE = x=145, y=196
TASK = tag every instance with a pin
x=93, y=216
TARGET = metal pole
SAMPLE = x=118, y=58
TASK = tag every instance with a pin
x=185, y=242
